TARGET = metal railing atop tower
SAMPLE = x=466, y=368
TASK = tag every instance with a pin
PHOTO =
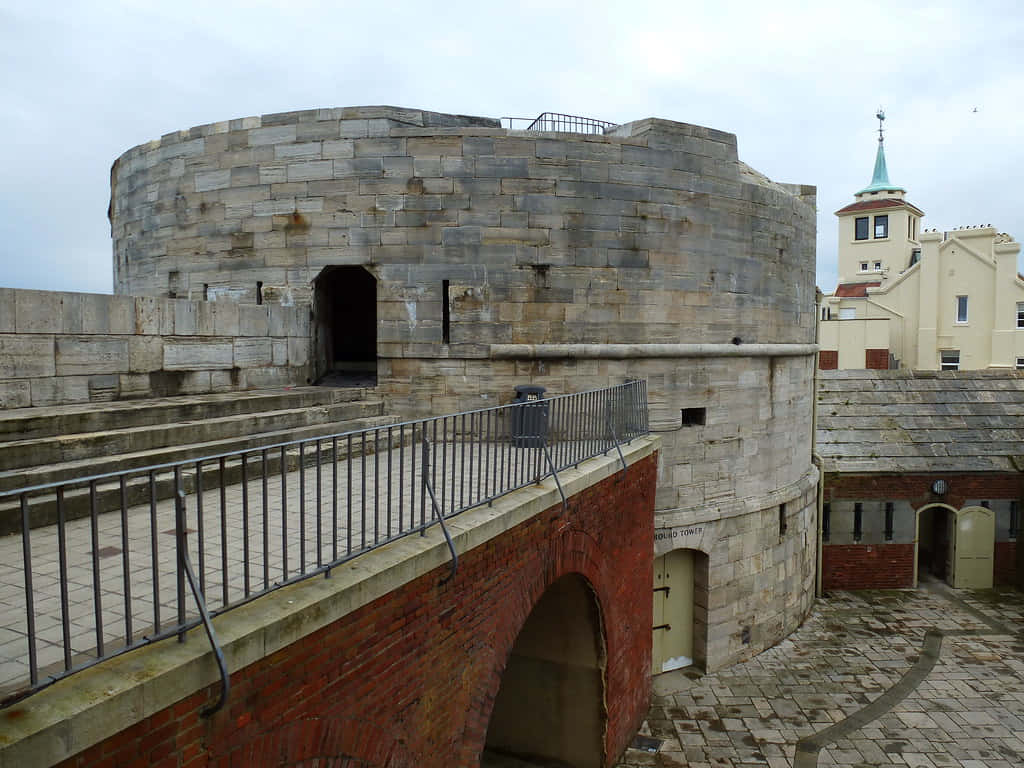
x=558, y=122
x=246, y=522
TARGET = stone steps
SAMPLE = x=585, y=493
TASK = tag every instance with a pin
x=197, y=430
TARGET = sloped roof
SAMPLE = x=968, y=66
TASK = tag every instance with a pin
x=854, y=290
x=870, y=205
x=921, y=421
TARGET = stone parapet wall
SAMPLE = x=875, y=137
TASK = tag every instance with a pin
x=60, y=348
x=657, y=233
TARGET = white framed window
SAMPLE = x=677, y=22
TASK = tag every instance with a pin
x=878, y=266
x=1020, y=314
x=860, y=228
x=961, y=309
x=1020, y=363
x=847, y=313
x=863, y=266
x=950, y=359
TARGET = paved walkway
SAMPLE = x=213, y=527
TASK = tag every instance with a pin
x=932, y=678
x=241, y=542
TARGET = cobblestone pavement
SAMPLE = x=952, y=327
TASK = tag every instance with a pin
x=932, y=678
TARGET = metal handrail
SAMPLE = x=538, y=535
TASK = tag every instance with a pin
x=558, y=122
x=267, y=516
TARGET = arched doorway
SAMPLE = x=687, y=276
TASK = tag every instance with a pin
x=933, y=551
x=956, y=546
x=679, y=635
x=550, y=705
x=345, y=326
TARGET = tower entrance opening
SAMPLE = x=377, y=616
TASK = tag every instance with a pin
x=345, y=326
x=680, y=610
x=550, y=705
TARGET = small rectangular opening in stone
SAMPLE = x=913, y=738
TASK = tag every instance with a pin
x=693, y=417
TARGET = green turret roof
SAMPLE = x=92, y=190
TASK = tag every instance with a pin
x=880, y=178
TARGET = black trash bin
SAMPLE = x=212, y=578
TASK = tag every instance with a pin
x=530, y=419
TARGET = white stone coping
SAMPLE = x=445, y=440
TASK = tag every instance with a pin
x=89, y=706
x=633, y=351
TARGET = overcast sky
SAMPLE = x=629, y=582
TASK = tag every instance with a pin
x=798, y=83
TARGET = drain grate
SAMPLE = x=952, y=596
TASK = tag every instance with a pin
x=647, y=743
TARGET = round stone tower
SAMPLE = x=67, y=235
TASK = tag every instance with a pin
x=453, y=259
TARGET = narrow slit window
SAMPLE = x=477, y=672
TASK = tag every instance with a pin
x=961, y=309
x=259, y=291
x=206, y=291
x=446, y=313
x=826, y=521
x=889, y=514
x=858, y=521
x=783, y=525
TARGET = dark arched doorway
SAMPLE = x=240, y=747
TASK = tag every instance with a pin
x=550, y=706
x=345, y=326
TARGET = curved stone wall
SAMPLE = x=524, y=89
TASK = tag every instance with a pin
x=503, y=257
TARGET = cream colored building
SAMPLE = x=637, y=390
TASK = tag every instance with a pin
x=923, y=299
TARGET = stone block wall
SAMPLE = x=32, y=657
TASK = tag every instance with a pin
x=60, y=348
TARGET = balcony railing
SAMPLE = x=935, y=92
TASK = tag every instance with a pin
x=240, y=524
x=558, y=122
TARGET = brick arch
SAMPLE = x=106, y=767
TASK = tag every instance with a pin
x=324, y=742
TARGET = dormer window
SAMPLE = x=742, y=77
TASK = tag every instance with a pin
x=860, y=228
x=881, y=226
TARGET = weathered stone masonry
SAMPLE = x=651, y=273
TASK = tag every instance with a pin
x=503, y=257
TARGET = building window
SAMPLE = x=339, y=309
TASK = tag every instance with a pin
x=863, y=266
x=950, y=360
x=847, y=313
x=961, y=309
x=1020, y=363
x=782, y=520
x=878, y=266
x=1014, y=519
x=858, y=521
x=881, y=226
x=1020, y=314
x=692, y=417
x=915, y=256
x=826, y=313
x=860, y=228
x=826, y=521
x=889, y=510
x=446, y=312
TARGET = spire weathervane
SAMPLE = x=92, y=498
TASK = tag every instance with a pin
x=880, y=114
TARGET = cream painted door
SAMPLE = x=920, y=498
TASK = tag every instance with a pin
x=673, y=611
x=975, y=542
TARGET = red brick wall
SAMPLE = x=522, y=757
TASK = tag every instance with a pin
x=876, y=358
x=828, y=359
x=410, y=679
x=1005, y=567
x=916, y=489
x=874, y=566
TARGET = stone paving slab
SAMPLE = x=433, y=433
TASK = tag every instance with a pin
x=859, y=668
